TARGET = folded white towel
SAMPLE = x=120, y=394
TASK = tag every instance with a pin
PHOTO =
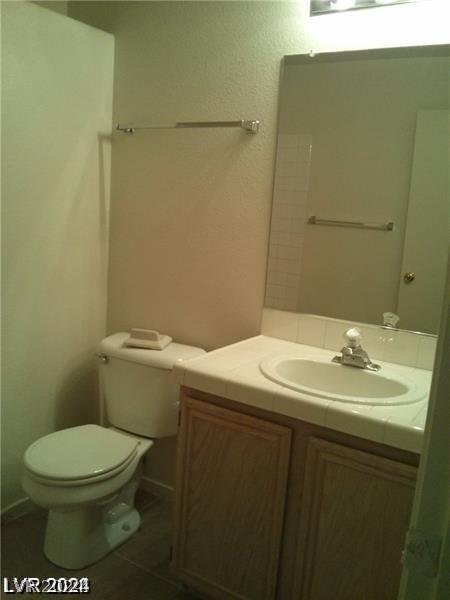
x=148, y=338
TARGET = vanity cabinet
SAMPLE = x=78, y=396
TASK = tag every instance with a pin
x=355, y=513
x=231, y=490
x=272, y=507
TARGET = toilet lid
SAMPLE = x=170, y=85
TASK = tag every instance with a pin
x=80, y=453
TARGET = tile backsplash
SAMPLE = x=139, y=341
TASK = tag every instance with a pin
x=396, y=346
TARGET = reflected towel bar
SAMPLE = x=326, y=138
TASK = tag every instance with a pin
x=313, y=220
x=250, y=126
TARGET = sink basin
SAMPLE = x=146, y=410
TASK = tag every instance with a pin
x=333, y=381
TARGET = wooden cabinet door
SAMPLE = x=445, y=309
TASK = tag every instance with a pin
x=355, y=515
x=231, y=485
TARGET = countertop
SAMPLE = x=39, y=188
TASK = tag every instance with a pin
x=233, y=372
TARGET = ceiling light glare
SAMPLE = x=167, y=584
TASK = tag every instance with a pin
x=342, y=4
x=318, y=7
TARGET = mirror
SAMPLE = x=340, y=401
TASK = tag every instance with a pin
x=360, y=215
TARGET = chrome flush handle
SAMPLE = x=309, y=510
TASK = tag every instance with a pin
x=103, y=358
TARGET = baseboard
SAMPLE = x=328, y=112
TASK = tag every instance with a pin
x=157, y=488
x=18, y=509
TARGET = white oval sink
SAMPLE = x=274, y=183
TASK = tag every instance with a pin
x=332, y=381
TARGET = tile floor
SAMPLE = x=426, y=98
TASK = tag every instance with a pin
x=137, y=570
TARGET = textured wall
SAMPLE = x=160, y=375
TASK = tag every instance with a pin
x=190, y=213
x=56, y=104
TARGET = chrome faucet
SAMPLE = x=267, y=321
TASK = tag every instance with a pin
x=353, y=355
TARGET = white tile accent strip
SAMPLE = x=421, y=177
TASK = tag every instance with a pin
x=289, y=213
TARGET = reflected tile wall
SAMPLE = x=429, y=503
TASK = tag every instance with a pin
x=289, y=213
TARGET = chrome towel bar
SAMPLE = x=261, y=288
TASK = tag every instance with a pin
x=250, y=126
x=313, y=220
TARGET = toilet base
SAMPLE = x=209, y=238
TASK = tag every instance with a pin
x=77, y=538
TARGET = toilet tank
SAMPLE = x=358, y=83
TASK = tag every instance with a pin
x=139, y=394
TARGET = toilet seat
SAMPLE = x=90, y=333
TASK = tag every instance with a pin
x=80, y=455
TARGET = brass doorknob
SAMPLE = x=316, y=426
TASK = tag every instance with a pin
x=409, y=277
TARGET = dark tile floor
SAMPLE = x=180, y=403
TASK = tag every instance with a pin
x=137, y=570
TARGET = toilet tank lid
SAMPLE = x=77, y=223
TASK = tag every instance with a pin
x=114, y=346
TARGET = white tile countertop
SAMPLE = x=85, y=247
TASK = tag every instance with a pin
x=233, y=372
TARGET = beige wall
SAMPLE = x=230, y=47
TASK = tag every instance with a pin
x=56, y=5
x=191, y=209
x=56, y=108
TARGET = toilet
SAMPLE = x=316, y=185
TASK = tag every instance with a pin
x=87, y=476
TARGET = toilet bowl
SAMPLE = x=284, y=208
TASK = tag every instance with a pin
x=87, y=476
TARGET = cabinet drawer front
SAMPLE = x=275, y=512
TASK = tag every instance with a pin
x=355, y=514
x=231, y=485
